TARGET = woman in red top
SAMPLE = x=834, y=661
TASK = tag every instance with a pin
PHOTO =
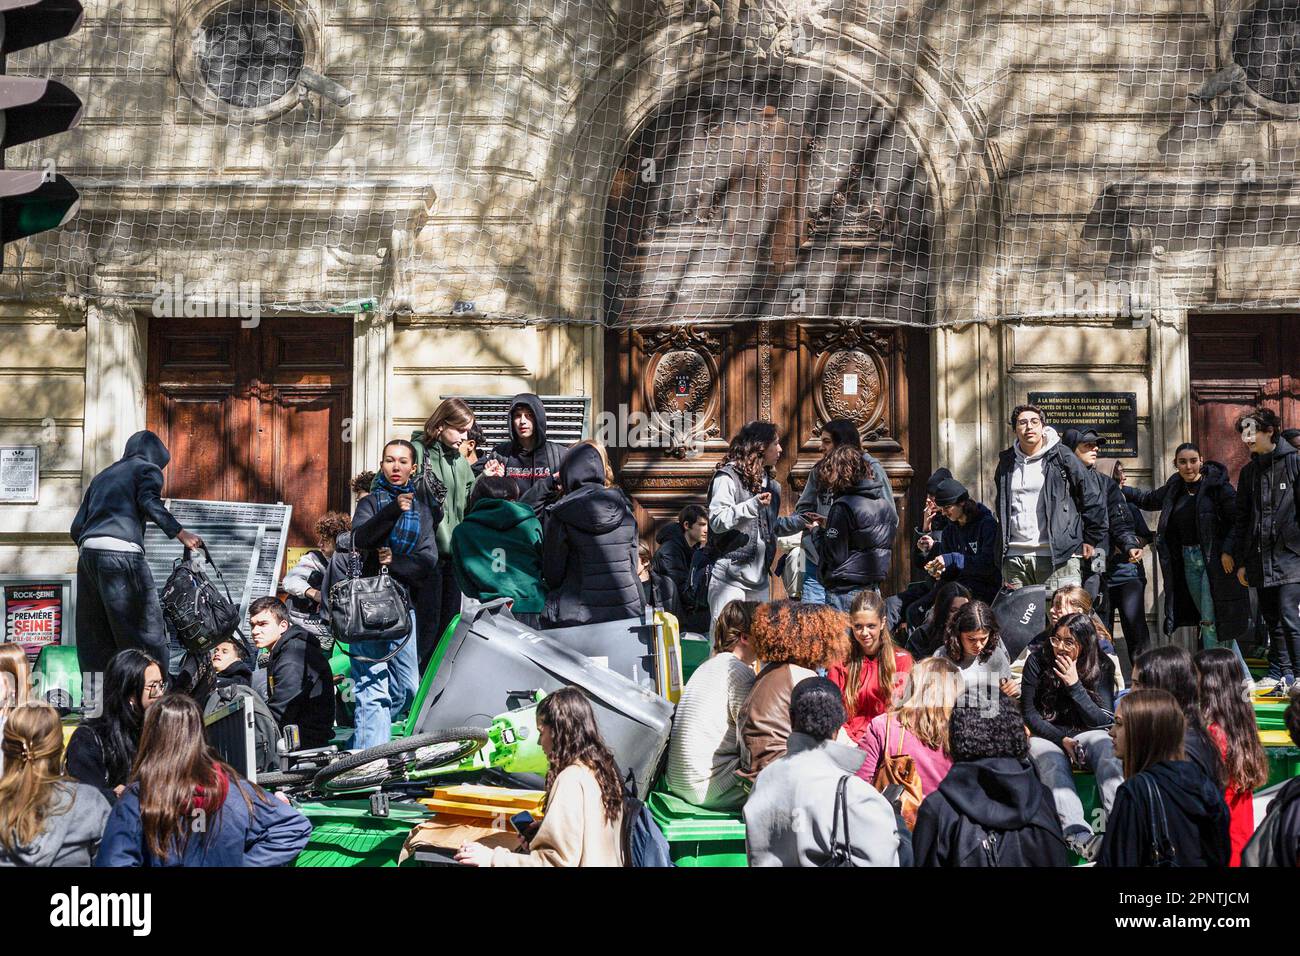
x=1230, y=722
x=875, y=671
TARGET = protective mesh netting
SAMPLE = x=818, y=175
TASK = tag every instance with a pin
x=667, y=162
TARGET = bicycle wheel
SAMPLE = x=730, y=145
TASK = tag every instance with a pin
x=375, y=766
x=293, y=778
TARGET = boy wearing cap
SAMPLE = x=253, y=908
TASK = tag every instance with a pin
x=966, y=548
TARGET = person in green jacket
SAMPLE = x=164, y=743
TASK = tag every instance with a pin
x=437, y=456
x=497, y=549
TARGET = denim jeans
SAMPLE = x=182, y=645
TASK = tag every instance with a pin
x=812, y=592
x=1198, y=582
x=382, y=691
x=1027, y=569
x=842, y=602
x=1056, y=773
x=1280, y=607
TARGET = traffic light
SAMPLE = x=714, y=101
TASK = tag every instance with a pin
x=33, y=201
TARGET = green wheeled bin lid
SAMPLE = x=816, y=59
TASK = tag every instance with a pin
x=56, y=679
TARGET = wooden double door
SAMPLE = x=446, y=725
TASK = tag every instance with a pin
x=1237, y=363
x=767, y=245
x=255, y=414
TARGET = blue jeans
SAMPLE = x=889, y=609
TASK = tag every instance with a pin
x=1056, y=773
x=813, y=591
x=382, y=691
x=843, y=602
x=1198, y=583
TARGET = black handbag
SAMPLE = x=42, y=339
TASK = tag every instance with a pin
x=841, y=855
x=1163, y=851
x=370, y=609
x=200, y=615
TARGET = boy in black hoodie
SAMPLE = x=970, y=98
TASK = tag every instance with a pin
x=528, y=458
x=117, y=603
x=678, y=541
x=299, y=682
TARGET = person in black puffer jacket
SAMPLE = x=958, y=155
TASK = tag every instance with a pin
x=678, y=542
x=991, y=809
x=860, y=528
x=589, y=546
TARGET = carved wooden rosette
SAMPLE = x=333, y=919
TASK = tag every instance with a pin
x=681, y=386
x=851, y=378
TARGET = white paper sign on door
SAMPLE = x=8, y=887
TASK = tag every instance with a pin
x=851, y=383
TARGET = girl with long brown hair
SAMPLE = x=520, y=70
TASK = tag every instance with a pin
x=1167, y=812
x=15, y=682
x=1230, y=723
x=186, y=807
x=875, y=669
x=744, y=522
x=583, y=819
x=46, y=819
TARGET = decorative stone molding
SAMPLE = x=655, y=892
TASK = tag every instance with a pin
x=371, y=345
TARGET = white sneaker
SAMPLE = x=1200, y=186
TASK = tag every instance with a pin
x=1265, y=683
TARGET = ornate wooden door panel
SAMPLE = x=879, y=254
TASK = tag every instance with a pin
x=255, y=414
x=1238, y=362
x=751, y=240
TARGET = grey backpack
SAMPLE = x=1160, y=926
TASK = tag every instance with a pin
x=265, y=730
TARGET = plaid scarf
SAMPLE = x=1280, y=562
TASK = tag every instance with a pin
x=406, y=532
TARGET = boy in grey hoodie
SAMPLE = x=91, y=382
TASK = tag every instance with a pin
x=1053, y=517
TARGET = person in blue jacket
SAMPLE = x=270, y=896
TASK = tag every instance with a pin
x=185, y=807
x=966, y=550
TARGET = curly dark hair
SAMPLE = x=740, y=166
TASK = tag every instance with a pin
x=362, y=481
x=841, y=469
x=975, y=734
x=745, y=453
x=974, y=616
x=791, y=632
x=1265, y=420
x=1095, y=668
x=567, y=714
x=331, y=525
x=816, y=708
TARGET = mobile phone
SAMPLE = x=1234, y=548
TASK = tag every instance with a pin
x=522, y=821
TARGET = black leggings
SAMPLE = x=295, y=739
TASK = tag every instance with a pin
x=1129, y=599
x=440, y=603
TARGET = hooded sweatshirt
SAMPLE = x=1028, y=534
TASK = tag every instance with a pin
x=1265, y=537
x=126, y=494
x=301, y=687
x=992, y=795
x=1027, y=532
x=497, y=552
x=1195, y=818
x=589, y=555
x=534, y=471
x=71, y=831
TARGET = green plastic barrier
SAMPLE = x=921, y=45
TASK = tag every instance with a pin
x=699, y=837
x=344, y=834
x=57, y=670
x=1283, y=764
x=1268, y=714
x=694, y=653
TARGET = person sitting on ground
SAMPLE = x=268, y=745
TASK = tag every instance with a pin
x=589, y=558
x=790, y=816
x=1230, y=722
x=1167, y=812
x=1068, y=696
x=966, y=549
x=928, y=636
x=704, y=750
x=991, y=809
x=496, y=551
x=875, y=670
x=46, y=819
x=1277, y=839
x=583, y=821
x=229, y=665
x=793, y=640
x=102, y=751
x=303, y=582
x=657, y=591
x=677, y=543
x=1070, y=599
x=300, y=685
x=177, y=780
x=15, y=683
x=917, y=726
x=973, y=642
x=855, y=546
x=1170, y=668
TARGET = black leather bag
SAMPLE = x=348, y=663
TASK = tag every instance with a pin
x=200, y=615
x=841, y=847
x=370, y=609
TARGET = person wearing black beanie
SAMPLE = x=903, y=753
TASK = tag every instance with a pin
x=965, y=549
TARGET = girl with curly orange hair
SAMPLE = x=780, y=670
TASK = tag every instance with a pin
x=793, y=640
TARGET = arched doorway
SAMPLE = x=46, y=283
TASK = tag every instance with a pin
x=767, y=244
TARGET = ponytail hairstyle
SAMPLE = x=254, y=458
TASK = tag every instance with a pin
x=32, y=745
x=869, y=602
x=1224, y=704
x=745, y=453
x=567, y=714
x=732, y=624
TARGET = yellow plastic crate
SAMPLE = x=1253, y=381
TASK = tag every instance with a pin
x=484, y=803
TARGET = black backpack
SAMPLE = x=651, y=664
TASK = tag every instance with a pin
x=200, y=615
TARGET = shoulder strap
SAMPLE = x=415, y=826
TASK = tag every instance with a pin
x=840, y=851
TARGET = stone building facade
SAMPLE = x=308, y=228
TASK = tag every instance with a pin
x=1082, y=184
